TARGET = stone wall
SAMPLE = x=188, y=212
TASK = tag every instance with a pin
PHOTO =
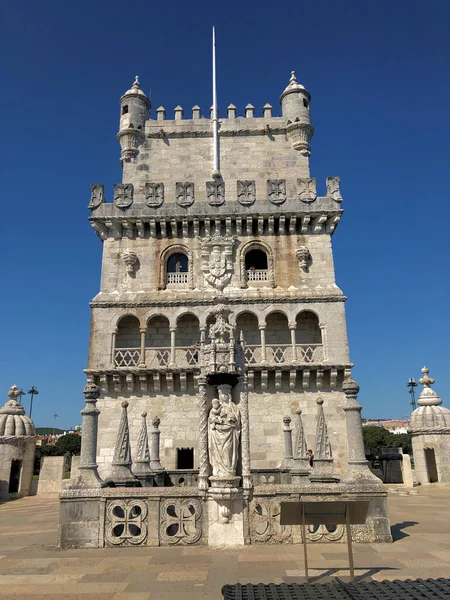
x=51, y=474
x=441, y=446
x=186, y=154
x=16, y=448
x=180, y=417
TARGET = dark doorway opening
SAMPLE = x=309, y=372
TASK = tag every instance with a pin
x=185, y=458
x=430, y=460
x=14, y=477
x=256, y=259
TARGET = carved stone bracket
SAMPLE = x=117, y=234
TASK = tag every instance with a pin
x=131, y=261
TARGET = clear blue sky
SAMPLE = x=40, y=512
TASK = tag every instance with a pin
x=379, y=75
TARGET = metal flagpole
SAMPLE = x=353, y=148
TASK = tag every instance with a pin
x=216, y=171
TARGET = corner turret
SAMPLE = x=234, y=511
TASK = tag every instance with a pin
x=295, y=106
x=134, y=112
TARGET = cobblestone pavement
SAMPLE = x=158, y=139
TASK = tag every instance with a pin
x=31, y=567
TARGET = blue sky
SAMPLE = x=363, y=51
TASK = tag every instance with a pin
x=379, y=75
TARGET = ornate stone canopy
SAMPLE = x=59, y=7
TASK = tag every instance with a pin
x=13, y=422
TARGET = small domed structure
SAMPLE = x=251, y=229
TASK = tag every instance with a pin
x=430, y=430
x=295, y=105
x=17, y=446
x=134, y=112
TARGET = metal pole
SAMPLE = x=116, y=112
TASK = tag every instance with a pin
x=349, y=543
x=34, y=391
x=216, y=171
x=305, y=551
x=411, y=385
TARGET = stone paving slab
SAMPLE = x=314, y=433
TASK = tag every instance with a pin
x=32, y=568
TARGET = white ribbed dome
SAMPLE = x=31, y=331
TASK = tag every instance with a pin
x=13, y=421
x=429, y=414
x=430, y=417
x=135, y=89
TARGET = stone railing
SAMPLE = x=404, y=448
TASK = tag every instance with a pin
x=283, y=354
x=257, y=275
x=127, y=357
x=189, y=356
x=177, y=278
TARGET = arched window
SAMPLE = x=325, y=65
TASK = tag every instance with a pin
x=127, y=351
x=305, y=103
x=177, y=268
x=256, y=265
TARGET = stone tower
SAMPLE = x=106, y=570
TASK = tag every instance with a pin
x=219, y=317
x=176, y=242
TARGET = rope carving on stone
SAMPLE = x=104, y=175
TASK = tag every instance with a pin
x=203, y=440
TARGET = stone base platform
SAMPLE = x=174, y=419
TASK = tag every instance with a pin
x=169, y=516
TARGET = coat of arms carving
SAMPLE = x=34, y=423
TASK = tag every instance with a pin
x=307, y=189
x=217, y=263
x=246, y=192
x=276, y=190
x=97, y=195
x=154, y=194
x=215, y=192
x=333, y=189
x=184, y=193
x=123, y=195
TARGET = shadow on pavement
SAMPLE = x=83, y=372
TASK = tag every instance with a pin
x=397, y=529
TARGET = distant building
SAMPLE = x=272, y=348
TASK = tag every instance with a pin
x=392, y=425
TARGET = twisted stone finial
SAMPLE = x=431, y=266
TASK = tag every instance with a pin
x=350, y=387
x=425, y=380
x=136, y=83
x=428, y=396
x=293, y=78
x=91, y=391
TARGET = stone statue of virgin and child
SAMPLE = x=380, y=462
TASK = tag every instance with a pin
x=224, y=431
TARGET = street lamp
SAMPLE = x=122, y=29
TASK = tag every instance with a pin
x=412, y=384
x=21, y=393
x=33, y=392
x=55, y=416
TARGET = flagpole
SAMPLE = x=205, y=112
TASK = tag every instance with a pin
x=216, y=170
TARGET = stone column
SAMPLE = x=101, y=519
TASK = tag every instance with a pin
x=287, y=433
x=172, y=346
x=245, y=438
x=88, y=476
x=203, y=467
x=143, y=331
x=262, y=331
x=358, y=466
x=121, y=473
x=155, y=463
x=292, y=327
x=113, y=347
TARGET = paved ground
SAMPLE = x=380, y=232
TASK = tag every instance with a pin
x=32, y=568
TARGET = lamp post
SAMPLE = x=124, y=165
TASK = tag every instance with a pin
x=55, y=416
x=20, y=394
x=411, y=385
x=33, y=392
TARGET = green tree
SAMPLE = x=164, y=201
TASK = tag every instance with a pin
x=69, y=443
x=402, y=440
x=50, y=450
x=374, y=437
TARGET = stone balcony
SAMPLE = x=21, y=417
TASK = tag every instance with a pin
x=183, y=357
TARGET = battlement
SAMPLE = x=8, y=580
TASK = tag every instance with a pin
x=249, y=113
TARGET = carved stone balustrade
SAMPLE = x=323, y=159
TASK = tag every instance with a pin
x=189, y=356
x=177, y=278
x=257, y=275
